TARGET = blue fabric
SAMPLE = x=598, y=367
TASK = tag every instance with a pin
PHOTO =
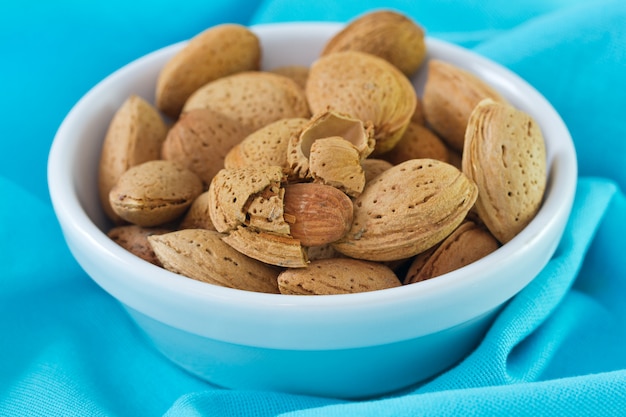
x=67, y=348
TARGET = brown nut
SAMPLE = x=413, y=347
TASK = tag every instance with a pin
x=505, y=155
x=202, y=255
x=467, y=244
x=364, y=87
x=418, y=142
x=407, y=209
x=254, y=98
x=450, y=95
x=386, y=34
x=154, y=193
x=134, y=136
x=134, y=239
x=217, y=52
x=317, y=214
x=200, y=140
x=337, y=276
x=266, y=146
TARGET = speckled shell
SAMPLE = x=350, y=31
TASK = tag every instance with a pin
x=134, y=239
x=202, y=255
x=450, y=95
x=254, y=98
x=337, y=276
x=467, y=244
x=266, y=146
x=250, y=196
x=217, y=52
x=324, y=125
x=386, y=34
x=198, y=217
x=269, y=248
x=407, y=209
x=200, y=140
x=154, y=193
x=134, y=136
x=505, y=155
x=335, y=161
x=418, y=142
x=364, y=87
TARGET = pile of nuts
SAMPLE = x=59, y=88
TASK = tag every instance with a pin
x=330, y=179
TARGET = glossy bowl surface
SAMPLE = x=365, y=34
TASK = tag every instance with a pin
x=348, y=346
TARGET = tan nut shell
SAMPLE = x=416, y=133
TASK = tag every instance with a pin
x=407, y=209
x=154, y=193
x=254, y=98
x=217, y=52
x=272, y=249
x=266, y=146
x=202, y=255
x=200, y=140
x=418, y=142
x=323, y=125
x=134, y=136
x=505, y=155
x=364, y=87
x=198, y=216
x=450, y=95
x=386, y=34
x=335, y=161
x=337, y=276
x=134, y=239
x=317, y=214
x=467, y=244
x=250, y=196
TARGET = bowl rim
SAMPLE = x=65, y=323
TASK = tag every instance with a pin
x=76, y=223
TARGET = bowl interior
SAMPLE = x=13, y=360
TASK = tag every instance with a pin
x=72, y=178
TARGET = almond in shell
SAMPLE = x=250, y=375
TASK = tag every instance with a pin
x=266, y=146
x=202, y=255
x=154, y=193
x=467, y=244
x=135, y=135
x=450, y=95
x=407, y=209
x=217, y=52
x=505, y=155
x=386, y=34
x=337, y=276
x=365, y=87
x=200, y=140
x=253, y=98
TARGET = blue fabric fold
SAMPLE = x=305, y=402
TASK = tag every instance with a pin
x=67, y=348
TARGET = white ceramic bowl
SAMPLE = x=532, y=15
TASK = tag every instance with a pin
x=349, y=346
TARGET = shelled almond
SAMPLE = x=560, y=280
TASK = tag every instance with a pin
x=321, y=179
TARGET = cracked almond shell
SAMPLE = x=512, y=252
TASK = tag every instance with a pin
x=249, y=196
x=365, y=87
